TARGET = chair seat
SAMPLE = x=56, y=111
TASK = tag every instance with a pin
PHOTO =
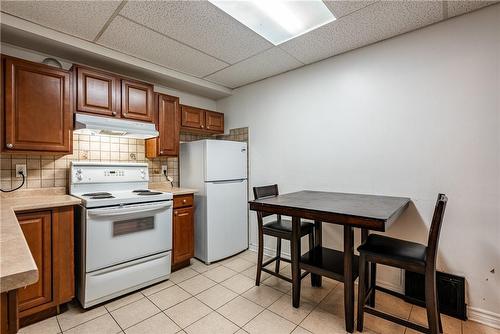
x=285, y=225
x=394, y=249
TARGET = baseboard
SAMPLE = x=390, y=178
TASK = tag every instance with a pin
x=484, y=317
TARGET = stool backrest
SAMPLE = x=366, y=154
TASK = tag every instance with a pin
x=265, y=191
x=437, y=220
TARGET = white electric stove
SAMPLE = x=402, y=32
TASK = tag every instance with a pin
x=124, y=232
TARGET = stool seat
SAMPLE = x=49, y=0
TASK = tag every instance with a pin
x=285, y=225
x=394, y=249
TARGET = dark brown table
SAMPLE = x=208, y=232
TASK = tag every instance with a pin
x=368, y=212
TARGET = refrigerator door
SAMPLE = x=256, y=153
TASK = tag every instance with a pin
x=227, y=220
x=225, y=160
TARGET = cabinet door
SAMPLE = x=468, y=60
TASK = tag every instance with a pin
x=183, y=235
x=168, y=124
x=193, y=117
x=36, y=227
x=37, y=107
x=137, y=100
x=214, y=121
x=97, y=92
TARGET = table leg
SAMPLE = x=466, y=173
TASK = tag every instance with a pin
x=295, y=250
x=364, y=236
x=316, y=280
x=348, y=278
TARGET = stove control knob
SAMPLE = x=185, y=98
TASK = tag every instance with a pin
x=79, y=170
x=79, y=177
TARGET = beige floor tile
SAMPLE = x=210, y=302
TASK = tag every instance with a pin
x=241, y=331
x=48, y=326
x=379, y=325
x=76, y=315
x=216, y=296
x=213, y=323
x=134, y=313
x=269, y=323
x=249, y=255
x=196, y=284
x=187, y=312
x=285, y=309
x=102, y=325
x=316, y=294
x=278, y=284
x=157, y=324
x=182, y=275
x=419, y=316
x=238, y=283
x=393, y=305
x=238, y=264
x=251, y=272
x=202, y=267
x=157, y=287
x=122, y=301
x=472, y=327
x=322, y=322
x=300, y=330
x=334, y=302
x=240, y=310
x=219, y=274
x=169, y=297
x=262, y=295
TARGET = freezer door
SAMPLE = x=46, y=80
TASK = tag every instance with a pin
x=225, y=160
x=227, y=225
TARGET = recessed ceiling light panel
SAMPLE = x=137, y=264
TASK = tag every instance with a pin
x=278, y=20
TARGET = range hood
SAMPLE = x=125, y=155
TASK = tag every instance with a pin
x=88, y=124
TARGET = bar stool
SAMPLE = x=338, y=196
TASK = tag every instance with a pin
x=279, y=228
x=406, y=255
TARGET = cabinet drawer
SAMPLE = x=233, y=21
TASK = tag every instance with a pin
x=183, y=201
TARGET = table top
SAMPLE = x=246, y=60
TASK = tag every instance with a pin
x=340, y=208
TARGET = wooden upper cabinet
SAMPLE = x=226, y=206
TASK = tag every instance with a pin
x=36, y=227
x=192, y=117
x=214, y=121
x=137, y=100
x=168, y=124
x=97, y=92
x=37, y=107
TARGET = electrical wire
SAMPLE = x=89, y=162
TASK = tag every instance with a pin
x=19, y=187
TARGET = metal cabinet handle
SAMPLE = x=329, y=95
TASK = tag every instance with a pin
x=184, y=201
x=175, y=213
x=202, y=126
x=161, y=152
x=10, y=145
x=113, y=113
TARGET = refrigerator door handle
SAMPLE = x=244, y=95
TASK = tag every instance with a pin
x=227, y=181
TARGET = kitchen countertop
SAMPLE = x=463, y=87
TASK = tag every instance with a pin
x=164, y=186
x=17, y=267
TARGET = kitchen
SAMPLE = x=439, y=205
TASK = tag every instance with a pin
x=137, y=178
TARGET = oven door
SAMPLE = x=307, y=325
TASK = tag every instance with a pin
x=119, y=234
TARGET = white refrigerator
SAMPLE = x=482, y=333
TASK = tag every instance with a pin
x=218, y=170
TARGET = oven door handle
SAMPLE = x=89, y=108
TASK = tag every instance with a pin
x=126, y=210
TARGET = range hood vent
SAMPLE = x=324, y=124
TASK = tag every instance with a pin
x=87, y=124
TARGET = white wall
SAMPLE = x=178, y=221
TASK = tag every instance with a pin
x=184, y=97
x=411, y=116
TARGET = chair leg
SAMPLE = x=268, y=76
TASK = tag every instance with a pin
x=260, y=258
x=373, y=280
x=431, y=301
x=361, y=291
x=278, y=255
x=311, y=246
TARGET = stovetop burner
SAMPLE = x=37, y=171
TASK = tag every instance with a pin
x=98, y=194
x=102, y=196
x=150, y=193
x=141, y=191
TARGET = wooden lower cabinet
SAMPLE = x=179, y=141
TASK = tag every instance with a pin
x=50, y=237
x=9, y=321
x=182, y=231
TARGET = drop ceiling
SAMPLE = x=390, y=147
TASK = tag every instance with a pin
x=195, y=39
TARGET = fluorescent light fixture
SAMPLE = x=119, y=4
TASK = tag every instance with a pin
x=278, y=20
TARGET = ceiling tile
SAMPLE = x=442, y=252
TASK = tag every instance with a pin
x=343, y=8
x=133, y=39
x=461, y=7
x=368, y=25
x=200, y=25
x=83, y=19
x=263, y=65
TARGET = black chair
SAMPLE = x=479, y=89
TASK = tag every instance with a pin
x=279, y=228
x=406, y=255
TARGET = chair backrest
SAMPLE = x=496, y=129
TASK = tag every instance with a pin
x=265, y=191
x=437, y=220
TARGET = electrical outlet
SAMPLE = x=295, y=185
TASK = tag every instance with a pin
x=164, y=170
x=21, y=168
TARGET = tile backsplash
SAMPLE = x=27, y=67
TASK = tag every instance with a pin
x=46, y=171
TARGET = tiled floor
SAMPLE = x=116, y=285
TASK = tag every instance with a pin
x=221, y=298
